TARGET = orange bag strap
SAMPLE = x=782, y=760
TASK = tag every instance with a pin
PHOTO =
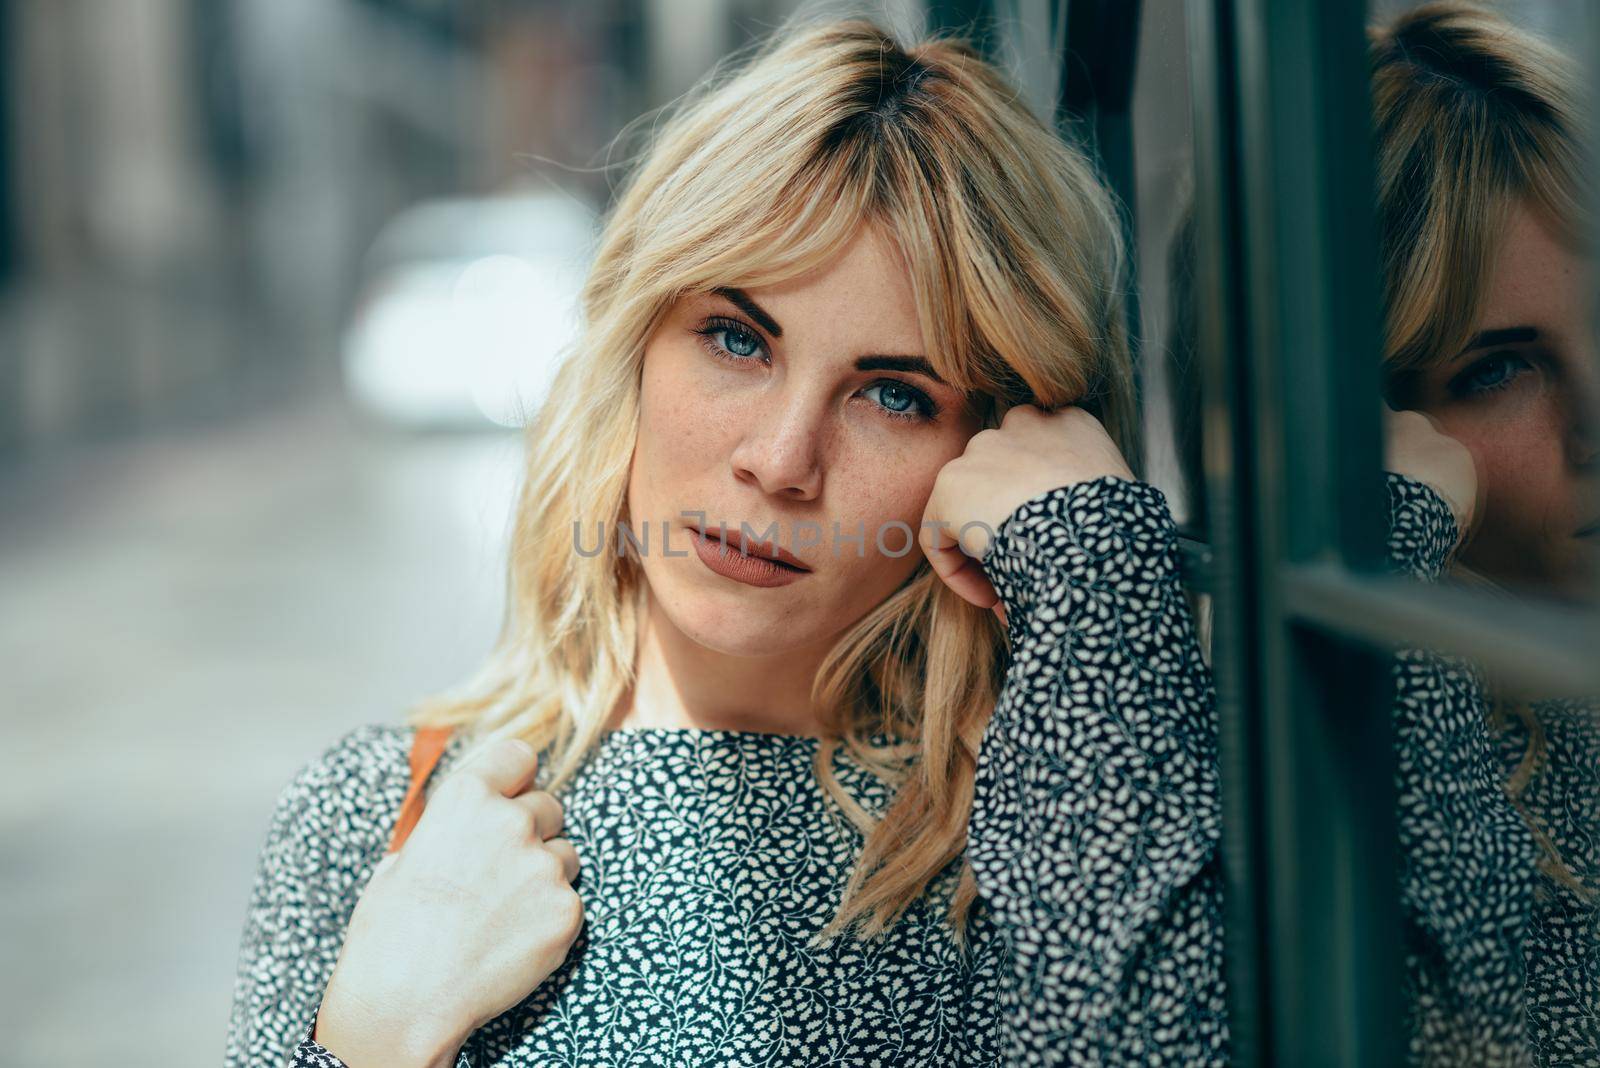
x=426, y=748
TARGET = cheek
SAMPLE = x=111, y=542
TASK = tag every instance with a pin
x=682, y=421
x=1519, y=457
x=872, y=489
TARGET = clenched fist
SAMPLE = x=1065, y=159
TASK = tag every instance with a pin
x=1031, y=452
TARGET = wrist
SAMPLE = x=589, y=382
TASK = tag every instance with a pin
x=364, y=1031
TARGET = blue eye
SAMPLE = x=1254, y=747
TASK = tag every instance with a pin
x=901, y=401
x=738, y=343
x=1489, y=375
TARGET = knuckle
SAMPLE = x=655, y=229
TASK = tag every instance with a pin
x=565, y=855
x=510, y=820
x=1076, y=417
x=516, y=751
x=472, y=776
x=464, y=786
x=977, y=445
x=566, y=912
x=545, y=866
x=555, y=815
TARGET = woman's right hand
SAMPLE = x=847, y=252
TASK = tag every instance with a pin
x=461, y=924
x=1414, y=446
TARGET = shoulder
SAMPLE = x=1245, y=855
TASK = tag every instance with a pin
x=350, y=792
x=363, y=759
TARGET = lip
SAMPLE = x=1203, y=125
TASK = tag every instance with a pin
x=727, y=560
x=1590, y=531
x=752, y=547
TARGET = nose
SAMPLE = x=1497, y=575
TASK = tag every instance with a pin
x=781, y=449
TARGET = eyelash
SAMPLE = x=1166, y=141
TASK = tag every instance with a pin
x=925, y=412
x=1462, y=385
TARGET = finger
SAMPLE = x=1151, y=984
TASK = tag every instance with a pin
x=944, y=552
x=506, y=765
x=1480, y=500
x=956, y=565
x=940, y=545
x=564, y=851
x=548, y=816
x=972, y=585
x=962, y=573
x=378, y=869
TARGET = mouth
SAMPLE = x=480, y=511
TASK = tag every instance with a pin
x=1590, y=531
x=752, y=549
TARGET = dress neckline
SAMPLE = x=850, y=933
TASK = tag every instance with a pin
x=706, y=732
x=715, y=735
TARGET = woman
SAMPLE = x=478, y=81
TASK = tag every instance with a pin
x=814, y=802
x=761, y=831
x=1488, y=280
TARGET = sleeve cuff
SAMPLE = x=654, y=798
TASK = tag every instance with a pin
x=1422, y=529
x=311, y=1054
x=1095, y=530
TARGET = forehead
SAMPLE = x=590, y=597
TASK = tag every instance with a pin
x=864, y=290
x=1538, y=280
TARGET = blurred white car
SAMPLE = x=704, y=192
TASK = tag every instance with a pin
x=468, y=308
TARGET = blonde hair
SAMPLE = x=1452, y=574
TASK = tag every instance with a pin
x=765, y=171
x=1472, y=116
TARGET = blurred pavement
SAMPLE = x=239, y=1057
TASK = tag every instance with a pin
x=186, y=618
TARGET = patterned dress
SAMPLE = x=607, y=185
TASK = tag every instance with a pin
x=711, y=858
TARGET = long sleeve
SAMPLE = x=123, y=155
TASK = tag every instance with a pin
x=328, y=831
x=1096, y=816
x=1467, y=868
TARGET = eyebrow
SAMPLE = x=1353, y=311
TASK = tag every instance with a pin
x=916, y=365
x=751, y=308
x=1509, y=336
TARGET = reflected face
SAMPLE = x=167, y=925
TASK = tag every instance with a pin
x=1523, y=398
x=808, y=405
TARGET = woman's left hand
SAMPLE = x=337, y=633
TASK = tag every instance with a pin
x=1030, y=452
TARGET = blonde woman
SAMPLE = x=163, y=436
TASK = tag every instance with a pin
x=925, y=776
x=1489, y=283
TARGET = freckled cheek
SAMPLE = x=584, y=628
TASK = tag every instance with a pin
x=684, y=420
x=873, y=494
x=1524, y=480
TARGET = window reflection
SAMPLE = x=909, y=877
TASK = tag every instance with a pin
x=1484, y=212
x=1484, y=203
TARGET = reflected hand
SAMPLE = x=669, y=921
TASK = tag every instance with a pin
x=1415, y=446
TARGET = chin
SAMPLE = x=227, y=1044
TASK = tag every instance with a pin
x=733, y=622
x=735, y=635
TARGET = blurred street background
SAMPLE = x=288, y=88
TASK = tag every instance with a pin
x=278, y=279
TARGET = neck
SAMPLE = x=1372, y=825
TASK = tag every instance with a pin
x=683, y=685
